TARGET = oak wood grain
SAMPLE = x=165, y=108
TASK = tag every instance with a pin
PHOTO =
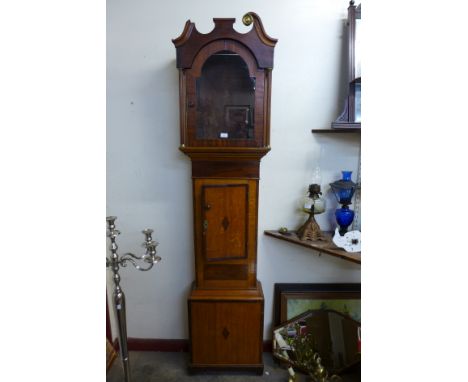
x=226, y=329
x=239, y=207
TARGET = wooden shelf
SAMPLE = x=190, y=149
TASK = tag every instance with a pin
x=326, y=246
x=338, y=130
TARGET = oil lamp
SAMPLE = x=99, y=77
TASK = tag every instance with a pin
x=313, y=205
x=344, y=191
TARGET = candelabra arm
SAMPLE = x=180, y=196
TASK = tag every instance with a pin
x=129, y=255
x=130, y=258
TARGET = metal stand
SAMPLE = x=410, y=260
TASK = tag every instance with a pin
x=310, y=230
x=115, y=262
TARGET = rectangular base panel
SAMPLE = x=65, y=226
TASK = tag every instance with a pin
x=226, y=329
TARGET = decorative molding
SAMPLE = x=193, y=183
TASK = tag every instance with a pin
x=158, y=344
x=267, y=346
x=218, y=153
x=252, y=17
x=185, y=34
x=168, y=345
x=190, y=41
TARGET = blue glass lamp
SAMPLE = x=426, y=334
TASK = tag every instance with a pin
x=344, y=191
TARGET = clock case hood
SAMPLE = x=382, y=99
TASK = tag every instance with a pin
x=257, y=49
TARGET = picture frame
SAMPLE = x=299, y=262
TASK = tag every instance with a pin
x=350, y=118
x=111, y=354
x=293, y=299
x=297, y=326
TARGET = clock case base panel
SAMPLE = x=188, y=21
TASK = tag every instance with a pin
x=257, y=369
x=226, y=329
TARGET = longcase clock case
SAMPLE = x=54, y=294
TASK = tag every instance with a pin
x=225, y=87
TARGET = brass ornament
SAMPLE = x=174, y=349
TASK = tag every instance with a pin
x=309, y=359
x=283, y=231
x=247, y=19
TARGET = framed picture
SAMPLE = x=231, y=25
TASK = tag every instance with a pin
x=111, y=354
x=336, y=337
x=291, y=300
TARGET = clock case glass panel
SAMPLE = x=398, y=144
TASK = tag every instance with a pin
x=225, y=98
x=225, y=105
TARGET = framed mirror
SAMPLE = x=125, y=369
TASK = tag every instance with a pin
x=316, y=340
x=351, y=114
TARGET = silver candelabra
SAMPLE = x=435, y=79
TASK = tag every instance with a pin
x=115, y=262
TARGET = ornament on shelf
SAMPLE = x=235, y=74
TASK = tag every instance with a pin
x=313, y=205
x=350, y=241
x=344, y=191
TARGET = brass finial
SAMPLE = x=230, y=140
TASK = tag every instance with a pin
x=247, y=19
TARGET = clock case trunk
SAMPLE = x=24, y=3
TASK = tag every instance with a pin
x=225, y=143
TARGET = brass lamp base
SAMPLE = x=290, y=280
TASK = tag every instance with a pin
x=310, y=230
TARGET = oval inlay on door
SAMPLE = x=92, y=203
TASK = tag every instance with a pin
x=225, y=223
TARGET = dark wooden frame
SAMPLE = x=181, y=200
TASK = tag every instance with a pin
x=300, y=317
x=345, y=289
x=348, y=116
x=169, y=344
x=195, y=72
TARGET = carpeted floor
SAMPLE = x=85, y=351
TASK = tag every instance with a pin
x=172, y=367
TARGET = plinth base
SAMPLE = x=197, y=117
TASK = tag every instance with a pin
x=226, y=329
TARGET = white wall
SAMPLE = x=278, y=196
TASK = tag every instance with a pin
x=148, y=179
